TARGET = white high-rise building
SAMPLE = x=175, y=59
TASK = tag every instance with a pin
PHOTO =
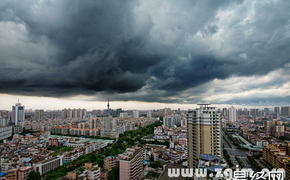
x=135, y=114
x=18, y=114
x=232, y=114
x=123, y=115
x=149, y=114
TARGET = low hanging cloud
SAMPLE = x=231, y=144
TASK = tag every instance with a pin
x=154, y=51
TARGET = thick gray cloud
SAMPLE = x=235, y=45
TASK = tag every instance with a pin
x=162, y=51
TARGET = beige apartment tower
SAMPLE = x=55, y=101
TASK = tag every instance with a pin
x=204, y=133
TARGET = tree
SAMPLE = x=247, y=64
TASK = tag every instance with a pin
x=34, y=176
x=155, y=164
x=114, y=173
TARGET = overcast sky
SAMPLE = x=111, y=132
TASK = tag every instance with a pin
x=77, y=53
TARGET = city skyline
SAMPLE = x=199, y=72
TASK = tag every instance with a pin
x=52, y=104
x=144, y=52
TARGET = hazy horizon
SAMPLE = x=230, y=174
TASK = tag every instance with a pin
x=47, y=103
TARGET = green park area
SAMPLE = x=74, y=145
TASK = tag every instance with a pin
x=126, y=140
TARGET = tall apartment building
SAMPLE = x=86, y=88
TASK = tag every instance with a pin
x=204, y=133
x=285, y=111
x=171, y=120
x=109, y=123
x=225, y=112
x=266, y=111
x=232, y=114
x=277, y=110
x=149, y=114
x=274, y=127
x=4, y=121
x=183, y=122
x=135, y=114
x=39, y=114
x=73, y=113
x=255, y=112
x=18, y=114
x=131, y=164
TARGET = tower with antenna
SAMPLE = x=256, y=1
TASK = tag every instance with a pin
x=108, y=107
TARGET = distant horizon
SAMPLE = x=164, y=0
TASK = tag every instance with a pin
x=54, y=104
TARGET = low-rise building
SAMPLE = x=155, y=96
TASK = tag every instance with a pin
x=110, y=162
x=24, y=171
x=278, y=156
x=48, y=165
x=183, y=141
x=11, y=174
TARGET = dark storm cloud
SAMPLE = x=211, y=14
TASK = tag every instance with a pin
x=138, y=50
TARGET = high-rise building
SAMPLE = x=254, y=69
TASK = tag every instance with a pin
x=4, y=113
x=135, y=114
x=277, y=110
x=131, y=164
x=232, y=114
x=3, y=121
x=255, y=112
x=18, y=114
x=110, y=124
x=225, y=112
x=74, y=113
x=240, y=112
x=167, y=111
x=285, y=111
x=245, y=111
x=274, y=128
x=265, y=112
x=171, y=120
x=149, y=114
x=204, y=133
x=39, y=114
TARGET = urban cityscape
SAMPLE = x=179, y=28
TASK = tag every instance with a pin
x=144, y=90
x=137, y=144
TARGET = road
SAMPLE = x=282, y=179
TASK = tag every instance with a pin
x=237, y=152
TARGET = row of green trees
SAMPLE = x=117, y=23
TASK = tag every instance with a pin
x=241, y=163
x=228, y=141
x=228, y=158
x=235, y=142
x=254, y=163
x=126, y=140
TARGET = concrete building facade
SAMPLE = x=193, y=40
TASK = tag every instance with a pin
x=204, y=133
x=131, y=164
x=5, y=132
x=18, y=114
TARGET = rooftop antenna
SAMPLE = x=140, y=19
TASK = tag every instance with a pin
x=108, y=108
